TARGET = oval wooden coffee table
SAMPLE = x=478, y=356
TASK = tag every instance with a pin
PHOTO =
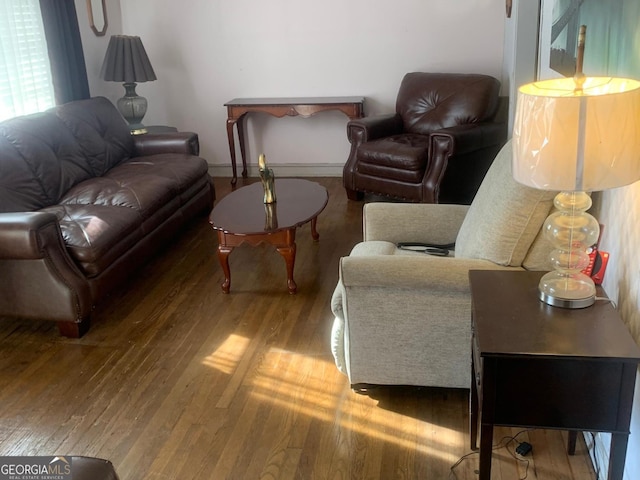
x=242, y=217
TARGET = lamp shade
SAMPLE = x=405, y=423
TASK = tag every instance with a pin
x=126, y=61
x=577, y=139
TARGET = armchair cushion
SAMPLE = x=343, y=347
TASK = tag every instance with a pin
x=501, y=224
x=399, y=157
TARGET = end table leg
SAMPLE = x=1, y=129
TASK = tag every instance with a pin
x=473, y=416
x=486, y=449
x=571, y=442
x=223, y=256
x=617, y=456
x=288, y=252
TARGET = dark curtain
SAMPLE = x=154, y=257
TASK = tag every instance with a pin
x=68, y=69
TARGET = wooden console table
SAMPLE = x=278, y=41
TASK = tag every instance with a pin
x=353, y=107
x=535, y=365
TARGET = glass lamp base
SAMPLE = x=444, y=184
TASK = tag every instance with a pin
x=575, y=290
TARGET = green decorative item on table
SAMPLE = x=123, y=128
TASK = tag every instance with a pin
x=268, y=180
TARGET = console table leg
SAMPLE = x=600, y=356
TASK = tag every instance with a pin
x=232, y=149
x=314, y=233
x=243, y=154
x=223, y=256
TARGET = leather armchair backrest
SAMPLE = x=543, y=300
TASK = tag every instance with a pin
x=431, y=101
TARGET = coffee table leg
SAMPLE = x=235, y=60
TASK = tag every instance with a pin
x=223, y=256
x=288, y=252
x=314, y=233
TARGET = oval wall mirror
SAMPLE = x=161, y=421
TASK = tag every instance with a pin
x=97, y=16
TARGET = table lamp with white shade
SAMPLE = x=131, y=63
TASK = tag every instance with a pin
x=575, y=135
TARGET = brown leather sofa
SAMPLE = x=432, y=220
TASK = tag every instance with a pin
x=83, y=203
x=436, y=147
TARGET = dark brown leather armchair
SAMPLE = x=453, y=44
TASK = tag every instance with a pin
x=438, y=145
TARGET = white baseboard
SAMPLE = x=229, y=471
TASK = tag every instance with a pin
x=283, y=170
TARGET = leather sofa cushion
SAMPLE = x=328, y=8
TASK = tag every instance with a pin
x=98, y=129
x=399, y=157
x=96, y=235
x=132, y=199
x=40, y=162
x=46, y=154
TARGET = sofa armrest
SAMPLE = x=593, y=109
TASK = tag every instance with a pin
x=424, y=272
x=24, y=235
x=42, y=280
x=170, y=142
x=376, y=126
x=413, y=222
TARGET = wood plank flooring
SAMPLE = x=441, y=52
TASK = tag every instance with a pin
x=176, y=380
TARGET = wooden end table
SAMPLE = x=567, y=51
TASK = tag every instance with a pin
x=242, y=217
x=353, y=107
x=534, y=365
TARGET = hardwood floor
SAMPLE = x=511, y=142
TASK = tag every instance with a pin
x=176, y=380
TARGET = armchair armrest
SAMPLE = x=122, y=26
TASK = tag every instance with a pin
x=463, y=139
x=413, y=222
x=426, y=273
x=369, y=128
x=170, y=142
x=459, y=157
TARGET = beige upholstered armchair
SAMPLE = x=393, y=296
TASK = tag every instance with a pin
x=404, y=318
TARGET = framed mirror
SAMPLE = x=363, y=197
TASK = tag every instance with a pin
x=97, y=16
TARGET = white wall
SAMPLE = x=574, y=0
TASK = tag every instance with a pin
x=94, y=47
x=207, y=52
x=520, y=50
x=619, y=211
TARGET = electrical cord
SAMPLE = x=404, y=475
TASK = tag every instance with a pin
x=497, y=446
x=605, y=299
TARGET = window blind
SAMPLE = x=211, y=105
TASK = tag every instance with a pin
x=25, y=74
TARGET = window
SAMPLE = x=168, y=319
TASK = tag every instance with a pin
x=25, y=73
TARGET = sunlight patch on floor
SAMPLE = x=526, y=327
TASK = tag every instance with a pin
x=228, y=355
x=301, y=385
